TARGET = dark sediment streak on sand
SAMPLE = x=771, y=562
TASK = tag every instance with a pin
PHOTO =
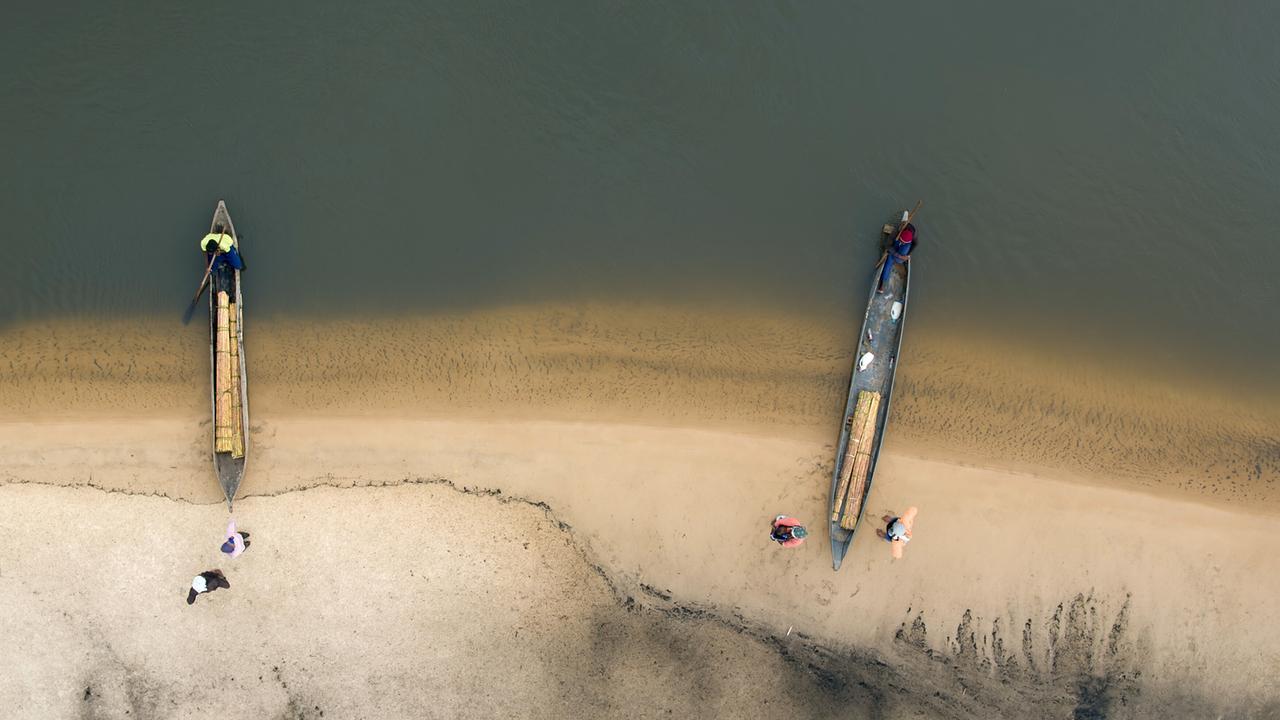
x=958, y=397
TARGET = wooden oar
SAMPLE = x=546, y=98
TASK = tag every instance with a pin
x=907, y=221
x=186, y=316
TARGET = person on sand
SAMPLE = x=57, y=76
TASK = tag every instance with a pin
x=207, y=581
x=787, y=531
x=897, y=531
x=236, y=541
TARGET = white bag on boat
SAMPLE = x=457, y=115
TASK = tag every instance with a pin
x=865, y=361
x=895, y=312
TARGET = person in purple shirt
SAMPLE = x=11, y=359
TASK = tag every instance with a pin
x=236, y=542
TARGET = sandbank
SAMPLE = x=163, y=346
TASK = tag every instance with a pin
x=549, y=512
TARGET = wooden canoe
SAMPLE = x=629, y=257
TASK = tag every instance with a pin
x=866, y=412
x=228, y=384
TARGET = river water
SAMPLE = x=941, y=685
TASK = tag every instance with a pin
x=1098, y=176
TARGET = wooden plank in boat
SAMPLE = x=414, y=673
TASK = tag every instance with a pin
x=858, y=457
x=867, y=428
x=222, y=441
x=222, y=407
x=857, y=486
x=237, y=415
x=864, y=417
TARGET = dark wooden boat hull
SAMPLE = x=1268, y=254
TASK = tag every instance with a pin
x=230, y=469
x=885, y=344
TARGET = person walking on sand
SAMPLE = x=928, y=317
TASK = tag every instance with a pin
x=236, y=541
x=787, y=531
x=207, y=581
x=897, y=531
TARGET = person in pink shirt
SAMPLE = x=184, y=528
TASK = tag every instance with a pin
x=787, y=531
x=236, y=541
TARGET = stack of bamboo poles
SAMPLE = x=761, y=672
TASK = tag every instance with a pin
x=857, y=460
x=223, y=431
x=237, y=414
x=228, y=418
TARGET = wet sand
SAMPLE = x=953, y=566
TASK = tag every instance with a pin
x=448, y=550
x=960, y=397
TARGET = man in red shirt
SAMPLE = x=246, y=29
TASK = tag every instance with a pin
x=787, y=531
x=899, y=253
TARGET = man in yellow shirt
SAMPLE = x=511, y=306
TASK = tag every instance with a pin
x=225, y=247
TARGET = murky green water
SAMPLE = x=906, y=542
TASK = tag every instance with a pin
x=1093, y=173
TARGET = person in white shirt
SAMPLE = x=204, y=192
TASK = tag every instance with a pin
x=207, y=581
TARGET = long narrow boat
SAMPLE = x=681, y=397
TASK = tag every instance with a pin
x=866, y=412
x=228, y=384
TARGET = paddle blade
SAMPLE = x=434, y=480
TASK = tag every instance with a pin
x=204, y=281
x=191, y=310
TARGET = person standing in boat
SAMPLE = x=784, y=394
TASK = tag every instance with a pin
x=224, y=247
x=897, y=531
x=787, y=531
x=899, y=253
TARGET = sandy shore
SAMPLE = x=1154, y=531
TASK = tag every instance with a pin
x=541, y=513
x=330, y=616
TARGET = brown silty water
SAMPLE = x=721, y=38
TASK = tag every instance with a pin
x=1088, y=188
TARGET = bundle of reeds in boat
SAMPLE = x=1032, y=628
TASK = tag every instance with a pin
x=223, y=389
x=857, y=460
x=237, y=413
